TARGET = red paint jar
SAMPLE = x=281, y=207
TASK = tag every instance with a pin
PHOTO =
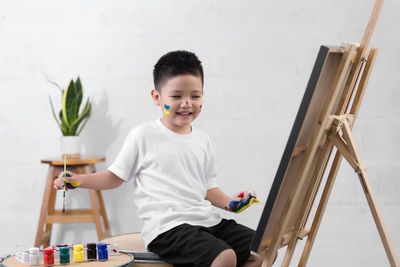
x=48, y=256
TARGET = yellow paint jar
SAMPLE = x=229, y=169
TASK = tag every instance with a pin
x=78, y=253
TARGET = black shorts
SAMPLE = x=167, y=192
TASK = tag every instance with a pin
x=188, y=245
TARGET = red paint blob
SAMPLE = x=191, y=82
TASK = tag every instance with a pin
x=200, y=106
x=187, y=102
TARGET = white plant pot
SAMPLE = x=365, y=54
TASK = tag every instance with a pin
x=70, y=146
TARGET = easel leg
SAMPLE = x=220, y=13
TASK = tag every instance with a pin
x=347, y=135
x=377, y=218
x=269, y=261
x=307, y=205
x=321, y=209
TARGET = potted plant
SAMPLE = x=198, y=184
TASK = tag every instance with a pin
x=69, y=119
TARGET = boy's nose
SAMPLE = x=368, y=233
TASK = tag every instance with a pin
x=186, y=103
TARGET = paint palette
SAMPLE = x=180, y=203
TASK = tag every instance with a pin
x=24, y=257
x=124, y=259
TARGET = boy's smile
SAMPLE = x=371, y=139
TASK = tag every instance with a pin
x=181, y=101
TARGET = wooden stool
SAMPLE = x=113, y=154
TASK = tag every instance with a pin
x=48, y=214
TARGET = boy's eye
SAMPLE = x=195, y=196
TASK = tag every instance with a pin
x=176, y=96
x=196, y=96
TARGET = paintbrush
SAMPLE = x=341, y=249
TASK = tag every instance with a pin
x=65, y=186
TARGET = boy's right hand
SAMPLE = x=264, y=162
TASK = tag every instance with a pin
x=72, y=178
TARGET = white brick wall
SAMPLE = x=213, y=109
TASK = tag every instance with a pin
x=257, y=57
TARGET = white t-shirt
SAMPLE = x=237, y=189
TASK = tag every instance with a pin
x=172, y=173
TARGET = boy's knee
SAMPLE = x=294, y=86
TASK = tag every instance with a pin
x=227, y=258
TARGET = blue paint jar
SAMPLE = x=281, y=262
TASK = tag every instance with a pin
x=102, y=252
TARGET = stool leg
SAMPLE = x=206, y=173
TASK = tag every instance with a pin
x=51, y=208
x=91, y=168
x=96, y=213
x=103, y=214
x=45, y=205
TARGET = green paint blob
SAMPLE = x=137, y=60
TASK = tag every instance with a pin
x=166, y=106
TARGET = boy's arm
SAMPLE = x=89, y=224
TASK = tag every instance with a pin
x=99, y=181
x=218, y=198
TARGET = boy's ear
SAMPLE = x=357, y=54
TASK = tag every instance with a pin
x=156, y=97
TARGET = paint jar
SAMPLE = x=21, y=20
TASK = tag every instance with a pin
x=48, y=256
x=64, y=255
x=102, y=251
x=78, y=253
x=91, y=252
x=112, y=249
x=34, y=256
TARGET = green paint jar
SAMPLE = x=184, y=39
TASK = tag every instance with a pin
x=64, y=255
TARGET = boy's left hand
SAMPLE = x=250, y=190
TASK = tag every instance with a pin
x=242, y=201
x=243, y=196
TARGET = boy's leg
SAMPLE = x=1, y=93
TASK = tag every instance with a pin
x=188, y=245
x=255, y=260
x=226, y=258
x=239, y=237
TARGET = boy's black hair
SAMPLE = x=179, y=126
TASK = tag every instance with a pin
x=176, y=63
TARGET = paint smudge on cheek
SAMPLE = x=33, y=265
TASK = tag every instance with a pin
x=166, y=108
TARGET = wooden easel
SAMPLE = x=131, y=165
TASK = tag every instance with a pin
x=333, y=129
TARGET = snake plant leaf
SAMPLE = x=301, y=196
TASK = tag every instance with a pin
x=86, y=119
x=79, y=95
x=78, y=86
x=63, y=127
x=54, y=114
x=64, y=102
x=57, y=85
x=85, y=112
x=72, y=99
x=83, y=125
x=65, y=130
x=69, y=117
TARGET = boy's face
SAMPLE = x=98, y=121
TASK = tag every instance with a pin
x=180, y=100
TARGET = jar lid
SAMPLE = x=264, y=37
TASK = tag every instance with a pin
x=64, y=250
x=33, y=250
x=101, y=246
x=48, y=251
x=91, y=245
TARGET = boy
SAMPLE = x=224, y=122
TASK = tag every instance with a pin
x=172, y=164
